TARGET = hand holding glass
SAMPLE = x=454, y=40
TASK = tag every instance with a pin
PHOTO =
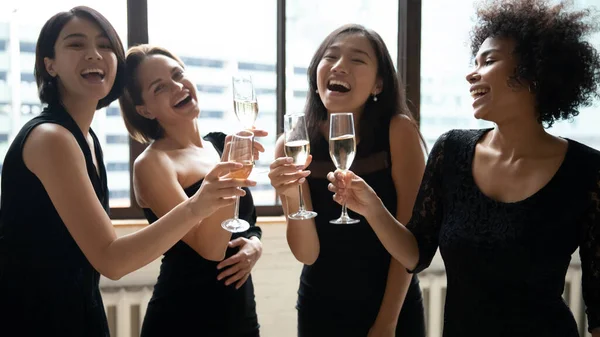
x=342, y=149
x=297, y=146
x=240, y=151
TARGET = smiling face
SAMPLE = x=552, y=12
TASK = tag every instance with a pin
x=497, y=96
x=347, y=74
x=168, y=94
x=84, y=62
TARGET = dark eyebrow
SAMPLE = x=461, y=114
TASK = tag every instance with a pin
x=353, y=50
x=74, y=35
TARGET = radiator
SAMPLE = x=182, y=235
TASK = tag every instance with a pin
x=125, y=306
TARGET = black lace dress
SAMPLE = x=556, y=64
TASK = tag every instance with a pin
x=506, y=262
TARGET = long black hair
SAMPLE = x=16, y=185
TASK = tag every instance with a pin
x=376, y=116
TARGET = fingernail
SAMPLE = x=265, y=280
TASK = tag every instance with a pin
x=302, y=180
x=289, y=160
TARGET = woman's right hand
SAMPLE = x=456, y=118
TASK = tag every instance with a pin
x=353, y=191
x=286, y=177
x=216, y=191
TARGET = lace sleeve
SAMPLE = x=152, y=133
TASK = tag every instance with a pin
x=589, y=251
x=426, y=218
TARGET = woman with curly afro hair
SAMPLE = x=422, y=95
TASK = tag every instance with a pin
x=508, y=206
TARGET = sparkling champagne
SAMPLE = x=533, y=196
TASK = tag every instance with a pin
x=342, y=150
x=299, y=150
x=246, y=112
x=242, y=173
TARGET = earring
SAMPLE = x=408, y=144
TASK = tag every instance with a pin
x=374, y=98
x=532, y=87
x=316, y=91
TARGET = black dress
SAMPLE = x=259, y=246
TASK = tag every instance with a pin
x=506, y=262
x=188, y=300
x=47, y=286
x=341, y=293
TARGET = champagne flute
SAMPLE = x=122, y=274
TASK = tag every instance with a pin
x=342, y=149
x=245, y=104
x=241, y=152
x=297, y=146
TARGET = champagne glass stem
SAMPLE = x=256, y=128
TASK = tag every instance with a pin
x=236, y=212
x=344, y=211
x=301, y=208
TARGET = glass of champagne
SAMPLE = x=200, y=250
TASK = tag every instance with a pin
x=342, y=149
x=241, y=152
x=297, y=146
x=245, y=104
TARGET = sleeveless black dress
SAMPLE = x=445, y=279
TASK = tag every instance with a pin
x=506, y=262
x=47, y=286
x=188, y=300
x=341, y=293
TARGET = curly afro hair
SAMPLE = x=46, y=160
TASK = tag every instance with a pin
x=553, y=55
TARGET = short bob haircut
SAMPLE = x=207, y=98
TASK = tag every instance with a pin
x=140, y=128
x=47, y=85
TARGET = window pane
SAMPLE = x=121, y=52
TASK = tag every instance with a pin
x=310, y=21
x=20, y=25
x=446, y=60
x=241, y=38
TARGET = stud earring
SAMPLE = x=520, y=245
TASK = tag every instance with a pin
x=316, y=91
x=374, y=98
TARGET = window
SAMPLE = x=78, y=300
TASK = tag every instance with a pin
x=27, y=77
x=124, y=166
x=215, y=42
x=218, y=114
x=256, y=67
x=211, y=89
x=310, y=21
x=112, y=111
x=18, y=94
x=117, y=139
x=200, y=62
x=27, y=47
x=445, y=98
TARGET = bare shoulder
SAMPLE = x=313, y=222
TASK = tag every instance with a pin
x=151, y=162
x=50, y=141
x=404, y=132
x=49, y=136
x=402, y=125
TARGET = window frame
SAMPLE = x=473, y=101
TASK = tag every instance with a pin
x=408, y=61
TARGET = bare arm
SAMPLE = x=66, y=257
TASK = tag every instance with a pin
x=415, y=244
x=53, y=155
x=408, y=165
x=301, y=234
x=155, y=182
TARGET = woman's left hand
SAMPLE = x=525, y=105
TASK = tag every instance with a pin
x=240, y=264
